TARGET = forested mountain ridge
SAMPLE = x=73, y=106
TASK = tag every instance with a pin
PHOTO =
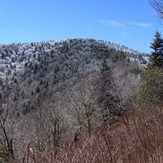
x=50, y=90
x=14, y=57
x=32, y=70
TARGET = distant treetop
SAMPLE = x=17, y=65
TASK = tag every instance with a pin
x=157, y=53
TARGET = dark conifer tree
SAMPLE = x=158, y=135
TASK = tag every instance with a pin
x=157, y=54
x=108, y=99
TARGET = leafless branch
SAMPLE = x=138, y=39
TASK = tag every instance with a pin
x=158, y=6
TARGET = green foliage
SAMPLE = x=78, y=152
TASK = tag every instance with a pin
x=157, y=54
x=5, y=155
x=151, y=88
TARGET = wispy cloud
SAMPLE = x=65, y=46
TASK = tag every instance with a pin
x=111, y=23
x=121, y=28
x=118, y=24
x=142, y=25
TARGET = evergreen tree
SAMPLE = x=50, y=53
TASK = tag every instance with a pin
x=108, y=99
x=157, y=54
x=37, y=89
x=151, y=87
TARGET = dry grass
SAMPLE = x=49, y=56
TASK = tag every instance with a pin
x=136, y=138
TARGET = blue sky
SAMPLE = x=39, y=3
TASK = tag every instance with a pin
x=128, y=22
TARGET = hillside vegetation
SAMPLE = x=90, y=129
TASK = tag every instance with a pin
x=79, y=100
x=30, y=71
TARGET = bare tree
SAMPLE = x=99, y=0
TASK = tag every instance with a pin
x=46, y=124
x=81, y=104
x=158, y=6
x=5, y=137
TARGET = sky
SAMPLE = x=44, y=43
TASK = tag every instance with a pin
x=132, y=23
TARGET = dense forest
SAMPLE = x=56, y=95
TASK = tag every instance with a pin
x=80, y=100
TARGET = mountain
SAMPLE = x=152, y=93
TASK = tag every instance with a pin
x=14, y=57
x=49, y=90
x=30, y=71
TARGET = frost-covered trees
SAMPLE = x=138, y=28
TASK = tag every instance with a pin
x=56, y=64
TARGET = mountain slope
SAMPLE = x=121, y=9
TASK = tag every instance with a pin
x=31, y=71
